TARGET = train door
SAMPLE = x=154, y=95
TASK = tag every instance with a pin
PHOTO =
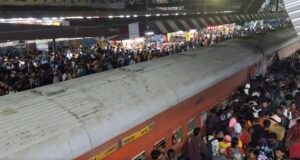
x=191, y=125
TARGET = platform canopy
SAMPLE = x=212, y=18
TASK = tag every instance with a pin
x=293, y=9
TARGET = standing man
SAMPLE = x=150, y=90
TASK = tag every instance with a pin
x=195, y=148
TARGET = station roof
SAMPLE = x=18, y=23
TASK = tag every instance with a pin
x=187, y=6
x=108, y=22
x=119, y=26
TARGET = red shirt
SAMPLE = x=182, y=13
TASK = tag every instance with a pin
x=294, y=132
x=294, y=150
x=245, y=137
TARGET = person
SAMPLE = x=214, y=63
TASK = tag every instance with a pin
x=212, y=143
x=171, y=154
x=262, y=118
x=195, y=148
x=212, y=121
x=227, y=142
x=266, y=126
x=257, y=132
x=155, y=154
x=293, y=109
x=225, y=118
x=181, y=157
x=287, y=111
x=266, y=108
x=272, y=139
x=220, y=135
x=232, y=121
x=294, y=120
x=284, y=119
x=294, y=150
x=221, y=155
x=276, y=128
x=294, y=132
x=280, y=154
x=237, y=128
x=245, y=138
x=252, y=154
x=234, y=152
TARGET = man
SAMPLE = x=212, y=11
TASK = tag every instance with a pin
x=279, y=154
x=212, y=121
x=195, y=148
x=257, y=132
x=266, y=108
x=171, y=154
x=284, y=119
x=213, y=145
x=155, y=155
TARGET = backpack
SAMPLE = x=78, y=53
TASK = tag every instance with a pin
x=210, y=147
x=235, y=154
x=280, y=131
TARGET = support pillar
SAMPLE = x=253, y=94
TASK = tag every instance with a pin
x=54, y=49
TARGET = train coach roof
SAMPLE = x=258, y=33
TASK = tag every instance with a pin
x=270, y=42
x=64, y=120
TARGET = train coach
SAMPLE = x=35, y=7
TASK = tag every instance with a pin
x=125, y=113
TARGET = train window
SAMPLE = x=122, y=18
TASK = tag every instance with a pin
x=140, y=156
x=160, y=145
x=191, y=125
x=177, y=136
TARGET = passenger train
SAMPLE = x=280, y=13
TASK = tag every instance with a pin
x=125, y=113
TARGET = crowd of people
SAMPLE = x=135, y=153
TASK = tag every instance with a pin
x=34, y=69
x=259, y=122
